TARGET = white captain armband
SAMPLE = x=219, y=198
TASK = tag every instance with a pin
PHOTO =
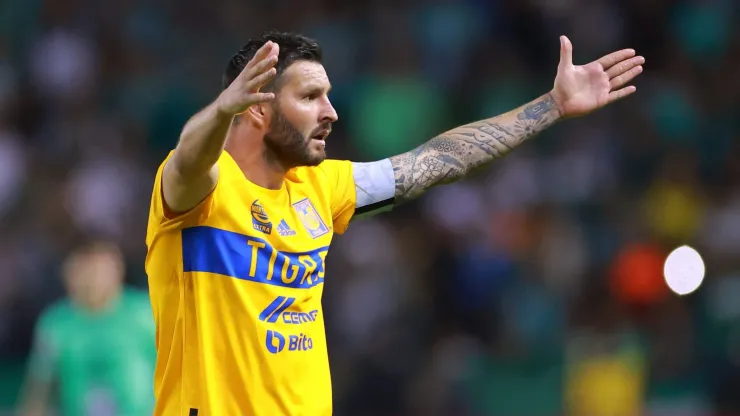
x=375, y=187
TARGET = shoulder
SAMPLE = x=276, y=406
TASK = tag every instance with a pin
x=56, y=314
x=330, y=165
x=327, y=168
x=136, y=301
x=135, y=295
x=328, y=176
x=347, y=168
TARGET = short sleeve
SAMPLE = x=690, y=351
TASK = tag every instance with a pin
x=342, y=191
x=359, y=189
x=160, y=217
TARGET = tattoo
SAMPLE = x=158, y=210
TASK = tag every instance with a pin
x=454, y=154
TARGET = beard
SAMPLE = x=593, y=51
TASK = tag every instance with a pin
x=288, y=146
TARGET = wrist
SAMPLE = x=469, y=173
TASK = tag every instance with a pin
x=556, y=103
x=221, y=110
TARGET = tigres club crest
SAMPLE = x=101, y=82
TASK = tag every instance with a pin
x=310, y=218
x=260, y=221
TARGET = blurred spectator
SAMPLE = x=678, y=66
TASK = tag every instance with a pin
x=606, y=360
x=96, y=347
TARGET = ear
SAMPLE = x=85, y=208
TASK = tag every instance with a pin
x=259, y=114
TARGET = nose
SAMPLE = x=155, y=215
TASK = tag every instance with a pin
x=328, y=113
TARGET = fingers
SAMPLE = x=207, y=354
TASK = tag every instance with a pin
x=613, y=58
x=260, y=80
x=619, y=94
x=261, y=97
x=263, y=59
x=624, y=66
x=262, y=53
x=261, y=72
x=261, y=67
x=566, y=51
x=626, y=77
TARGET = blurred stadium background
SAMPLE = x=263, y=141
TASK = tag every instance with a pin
x=534, y=288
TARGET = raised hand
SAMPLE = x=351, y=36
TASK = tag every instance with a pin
x=579, y=90
x=245, y=90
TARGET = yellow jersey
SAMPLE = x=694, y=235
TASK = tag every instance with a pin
x=236, y=286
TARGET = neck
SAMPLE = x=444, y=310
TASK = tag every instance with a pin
x=260, y=167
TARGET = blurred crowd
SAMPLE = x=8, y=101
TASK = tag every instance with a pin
x=533, y=288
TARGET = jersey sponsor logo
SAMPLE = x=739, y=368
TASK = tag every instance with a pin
x=310, y=218
x=276, y=342
x=284, y=229
x=273, y=310
x=277, y=310
x=212, y=250
x=298, y=318
x=260, y=221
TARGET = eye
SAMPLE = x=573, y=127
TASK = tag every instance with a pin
x=311, y=97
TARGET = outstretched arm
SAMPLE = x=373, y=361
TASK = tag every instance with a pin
x=454, y=154
x=578, y=90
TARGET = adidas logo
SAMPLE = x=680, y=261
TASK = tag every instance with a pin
x=284, y=230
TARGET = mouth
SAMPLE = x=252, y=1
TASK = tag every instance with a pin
x=321, y=137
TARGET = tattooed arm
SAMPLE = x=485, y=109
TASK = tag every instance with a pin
x=454, y=154
x=577, y=91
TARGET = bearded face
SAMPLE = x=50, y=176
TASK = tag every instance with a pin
x=302, y=116
x=288, y=145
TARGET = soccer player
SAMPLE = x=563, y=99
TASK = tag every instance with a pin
x=244, y=209
x=95, y=349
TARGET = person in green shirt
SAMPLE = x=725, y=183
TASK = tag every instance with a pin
x=96, y=348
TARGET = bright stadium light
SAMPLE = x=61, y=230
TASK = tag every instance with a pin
x=684, y=270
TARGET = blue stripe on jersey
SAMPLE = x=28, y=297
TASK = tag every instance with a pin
x=212, y=250
x=277, y=312
x=270, y=309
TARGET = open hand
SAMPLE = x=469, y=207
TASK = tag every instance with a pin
x=579, y=90
x=245, y=90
